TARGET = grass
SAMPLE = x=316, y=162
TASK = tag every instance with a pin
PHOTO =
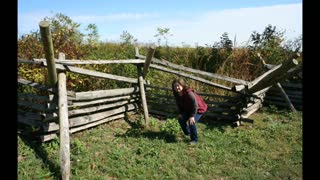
x=269, y=148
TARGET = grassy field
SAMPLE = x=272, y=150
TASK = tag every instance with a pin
x=269, y=148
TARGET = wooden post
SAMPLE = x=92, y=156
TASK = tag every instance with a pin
x=64, y=128
x=148, y=61
x=62, y=56
x=49, y=53
x=143, y=96
x=286, y=98
x=137, y=50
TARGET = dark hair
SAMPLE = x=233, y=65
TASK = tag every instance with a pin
x=181, y=82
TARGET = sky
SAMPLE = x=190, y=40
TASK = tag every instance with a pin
x=190, y=22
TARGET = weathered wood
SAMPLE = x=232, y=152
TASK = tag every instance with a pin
x=62, y=56
x=47, y=137
x=90, y=95
x=49, y=127
x=190, y=77
x=270, y=77
x=94, y=73
x=143, y=96
x=211, y=75
x=99, y=107
x=101, y=101
x=76, y=121
x=97, y=123
x=286, y=98
x=136, y=50
x=148, y=61
x=250, y=110
x=82, y=62
x=30, y=61
x=49, y=53
x=267, y=66
x=64, y=127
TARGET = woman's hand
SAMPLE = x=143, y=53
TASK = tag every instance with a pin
x=191, y=121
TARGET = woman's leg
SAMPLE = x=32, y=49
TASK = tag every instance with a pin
x=193, y=128
x=183, y=124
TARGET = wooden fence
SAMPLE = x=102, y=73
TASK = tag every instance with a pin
x=47, y=109
x=293, y=90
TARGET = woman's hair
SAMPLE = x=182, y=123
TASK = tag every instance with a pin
x=181, y=82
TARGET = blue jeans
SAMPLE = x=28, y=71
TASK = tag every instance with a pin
x=189, y=129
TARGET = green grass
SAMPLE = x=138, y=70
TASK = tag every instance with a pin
x=269, y=148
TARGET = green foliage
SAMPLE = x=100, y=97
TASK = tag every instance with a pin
x=127, y=38
x=171, y=126
x=162, y=34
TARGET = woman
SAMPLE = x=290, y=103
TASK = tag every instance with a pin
x=190, y=107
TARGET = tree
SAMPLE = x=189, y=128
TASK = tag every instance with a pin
x=268, y=44
x=225, y=42
x=163, y=34
x=127, y=38
x=66, y=38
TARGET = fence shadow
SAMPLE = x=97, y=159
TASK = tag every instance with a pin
x=38, y=148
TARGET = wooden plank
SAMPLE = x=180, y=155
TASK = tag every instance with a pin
x=47, y=137
x=76, y=121
x=95, y=73
x=190, y=77
x=82, y=62
x=101, y=101
x=49, y=53
x=91, y=95
x=143, y=96
x=49, y=127
x=272, y=76
x=198, y=72
x=64, y=127
x=98, y=107
x=30, y=61
x=97, y=123
x=146, y=65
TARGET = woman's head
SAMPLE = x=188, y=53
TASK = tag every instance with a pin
x=178, y=85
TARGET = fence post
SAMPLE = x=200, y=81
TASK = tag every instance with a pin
x=64, y=127
x=143, y=96
x=49, y=53
x=148, y=61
